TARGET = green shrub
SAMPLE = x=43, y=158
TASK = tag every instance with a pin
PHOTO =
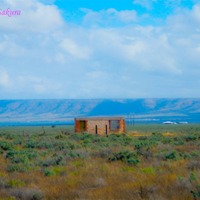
x=157, y=134
x=60, y=145
x=20, y=159
x=31, y=144
x=77, y=153
x=146, y=153
x=196, y=192
x=18, y=141
x=193, y=177
x=4, y=145
x=2, y=134
x=72, y=145
x=9, y=136
x=167, y=140
x=143, y=138
x=185, y=155
x=178, y=141
x=121, y=139
x=57, y=137
x=44, y=144
x=87, y=140
x=13, y=183
x=57, y=160
x=17, y=168
x=138, y=145
x=10, y=154
x=133, y=160
x=171, y=155
x=191, y=137
x=80, y=136
x=21, y=156
x=48, y=172
x=125, y=156
x=195, y=154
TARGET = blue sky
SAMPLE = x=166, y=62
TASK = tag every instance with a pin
x=100, y=49
x=155, y=8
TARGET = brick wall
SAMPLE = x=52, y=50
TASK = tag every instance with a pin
x=122, y=126
x=77, y=126
x=101, y=126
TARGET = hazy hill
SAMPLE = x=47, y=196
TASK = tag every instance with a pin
x=66, y=109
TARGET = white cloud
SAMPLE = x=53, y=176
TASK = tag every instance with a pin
x=5, y=81
x=167, y=4
x=49, y=58
x=127, y=16
x=148, y=4
x=11, y=48
x=74, y=49
x=109, y=16
x=39, y=86
x=123, y=16
x=34, y=17
x=196, y=12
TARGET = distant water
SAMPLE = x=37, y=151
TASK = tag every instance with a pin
x=158, y=120
x=34, y=123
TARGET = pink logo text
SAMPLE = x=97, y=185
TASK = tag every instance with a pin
x=8, y=12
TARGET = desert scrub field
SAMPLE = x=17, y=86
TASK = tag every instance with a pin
x=156, y=162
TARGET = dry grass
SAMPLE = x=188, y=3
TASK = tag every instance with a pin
x=97, y=179
x=89, y=175
x=168, y=134
x=138, y=134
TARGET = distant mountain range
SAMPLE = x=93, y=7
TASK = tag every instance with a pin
x=65, y=110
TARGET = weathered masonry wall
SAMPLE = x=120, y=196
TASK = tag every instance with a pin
x=98, y=126
x=122, y=127
x=101, y=126
x=77, y=126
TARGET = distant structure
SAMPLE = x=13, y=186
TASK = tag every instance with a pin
x=169, y=122
x=100, y=125
x=183, y=122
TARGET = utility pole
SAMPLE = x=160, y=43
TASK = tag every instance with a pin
x=130, y=119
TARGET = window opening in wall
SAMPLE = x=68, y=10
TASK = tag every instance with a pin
x=114, y=125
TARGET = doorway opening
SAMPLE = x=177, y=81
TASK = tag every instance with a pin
x=106, y=129
x=96, y=130
x=83, y=126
